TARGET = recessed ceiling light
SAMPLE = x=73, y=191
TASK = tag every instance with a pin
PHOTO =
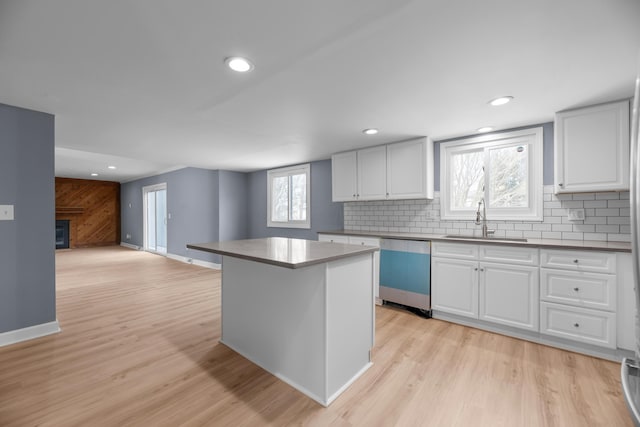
x=485, y=129
x=111, y=167
x=94, y=174
x=239, y=64
x=371, y=131
x=500, y=101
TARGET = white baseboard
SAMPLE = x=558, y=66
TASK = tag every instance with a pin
x=180, y=258
x=29, y=333
x=193, y=261
x=130, y=246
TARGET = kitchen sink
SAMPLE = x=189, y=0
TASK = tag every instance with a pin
x=486, y=239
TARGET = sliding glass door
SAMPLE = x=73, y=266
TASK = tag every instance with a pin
x=155, y=218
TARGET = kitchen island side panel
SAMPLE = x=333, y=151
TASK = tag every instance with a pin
x=350, y=320
x=275, y=317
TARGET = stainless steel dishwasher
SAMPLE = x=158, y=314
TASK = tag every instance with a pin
x=405, y=273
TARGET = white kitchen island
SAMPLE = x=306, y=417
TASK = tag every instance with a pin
x=302, y=310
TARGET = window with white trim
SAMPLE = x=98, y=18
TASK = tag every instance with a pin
x=504, y=169
x=289, y=197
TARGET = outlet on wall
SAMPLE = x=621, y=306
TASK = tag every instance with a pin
x=6, y=212
x=128, y=236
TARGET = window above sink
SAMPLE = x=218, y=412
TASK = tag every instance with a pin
x=504, y=169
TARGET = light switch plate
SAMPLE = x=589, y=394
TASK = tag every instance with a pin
x=6, y=212
x=576, y=215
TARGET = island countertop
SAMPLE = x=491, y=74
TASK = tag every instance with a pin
x=284, y=252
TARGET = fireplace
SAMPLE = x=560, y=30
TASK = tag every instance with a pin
x=62, y=234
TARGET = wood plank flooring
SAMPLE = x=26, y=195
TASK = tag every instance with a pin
x=139, y=347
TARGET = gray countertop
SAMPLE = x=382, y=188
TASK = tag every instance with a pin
x=283, y=252
x=540, y=243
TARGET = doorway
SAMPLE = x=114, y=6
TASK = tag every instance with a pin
x=155, y=218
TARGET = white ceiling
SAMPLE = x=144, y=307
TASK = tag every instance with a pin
x=143, y=83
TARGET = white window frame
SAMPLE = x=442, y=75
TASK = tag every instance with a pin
x=532, y=138
x=288, y=171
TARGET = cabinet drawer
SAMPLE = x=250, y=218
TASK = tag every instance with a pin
x=598, y=262
x=591, y=290
x=335, y=238
x=509, y=255
x=454, y=250
x=366, y=241
x=578, y=324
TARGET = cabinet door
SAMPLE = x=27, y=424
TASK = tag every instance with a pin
x=592, y=148
x=372, y=173
x=407, y=170
x=509, y=295
x=344, y=176
x=370, y=241
x=454, y=286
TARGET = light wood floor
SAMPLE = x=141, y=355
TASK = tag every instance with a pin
x=140, y=347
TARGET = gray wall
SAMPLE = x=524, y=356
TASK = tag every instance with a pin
x=325, y=214
x=547, y=152
x=27, y=245
x=192, y=202
x=234, y=205
x=209, y=206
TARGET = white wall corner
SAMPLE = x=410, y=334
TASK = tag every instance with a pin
x=29, y=333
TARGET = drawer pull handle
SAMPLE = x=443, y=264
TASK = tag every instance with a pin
x=482, y=269
x=476, y=269
x=577, y=325
x=576, y=289
x=575, y=261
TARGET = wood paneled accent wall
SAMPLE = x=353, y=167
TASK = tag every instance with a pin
x=93, y=211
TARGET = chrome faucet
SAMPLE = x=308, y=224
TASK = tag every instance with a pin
x=485, y=229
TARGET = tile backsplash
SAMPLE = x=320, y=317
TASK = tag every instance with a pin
x=606, y=218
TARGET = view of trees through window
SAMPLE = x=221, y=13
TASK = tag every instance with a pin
x=505, y=169
x=289, y=198
x=288, y=203
x=468, y=179
x=507, y=182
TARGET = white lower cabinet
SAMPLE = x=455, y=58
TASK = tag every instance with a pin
x=334, y=238
x=359, y=240
x=457, y=289
x=509, y=295
x=578, y=293
x=581, y=289
x=578, y=324
x=463, y=283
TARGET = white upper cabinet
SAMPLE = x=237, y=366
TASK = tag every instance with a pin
x=592, y=148
x=402, y=170
x=372, y=173
x=344, y=172
x=407, y=163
